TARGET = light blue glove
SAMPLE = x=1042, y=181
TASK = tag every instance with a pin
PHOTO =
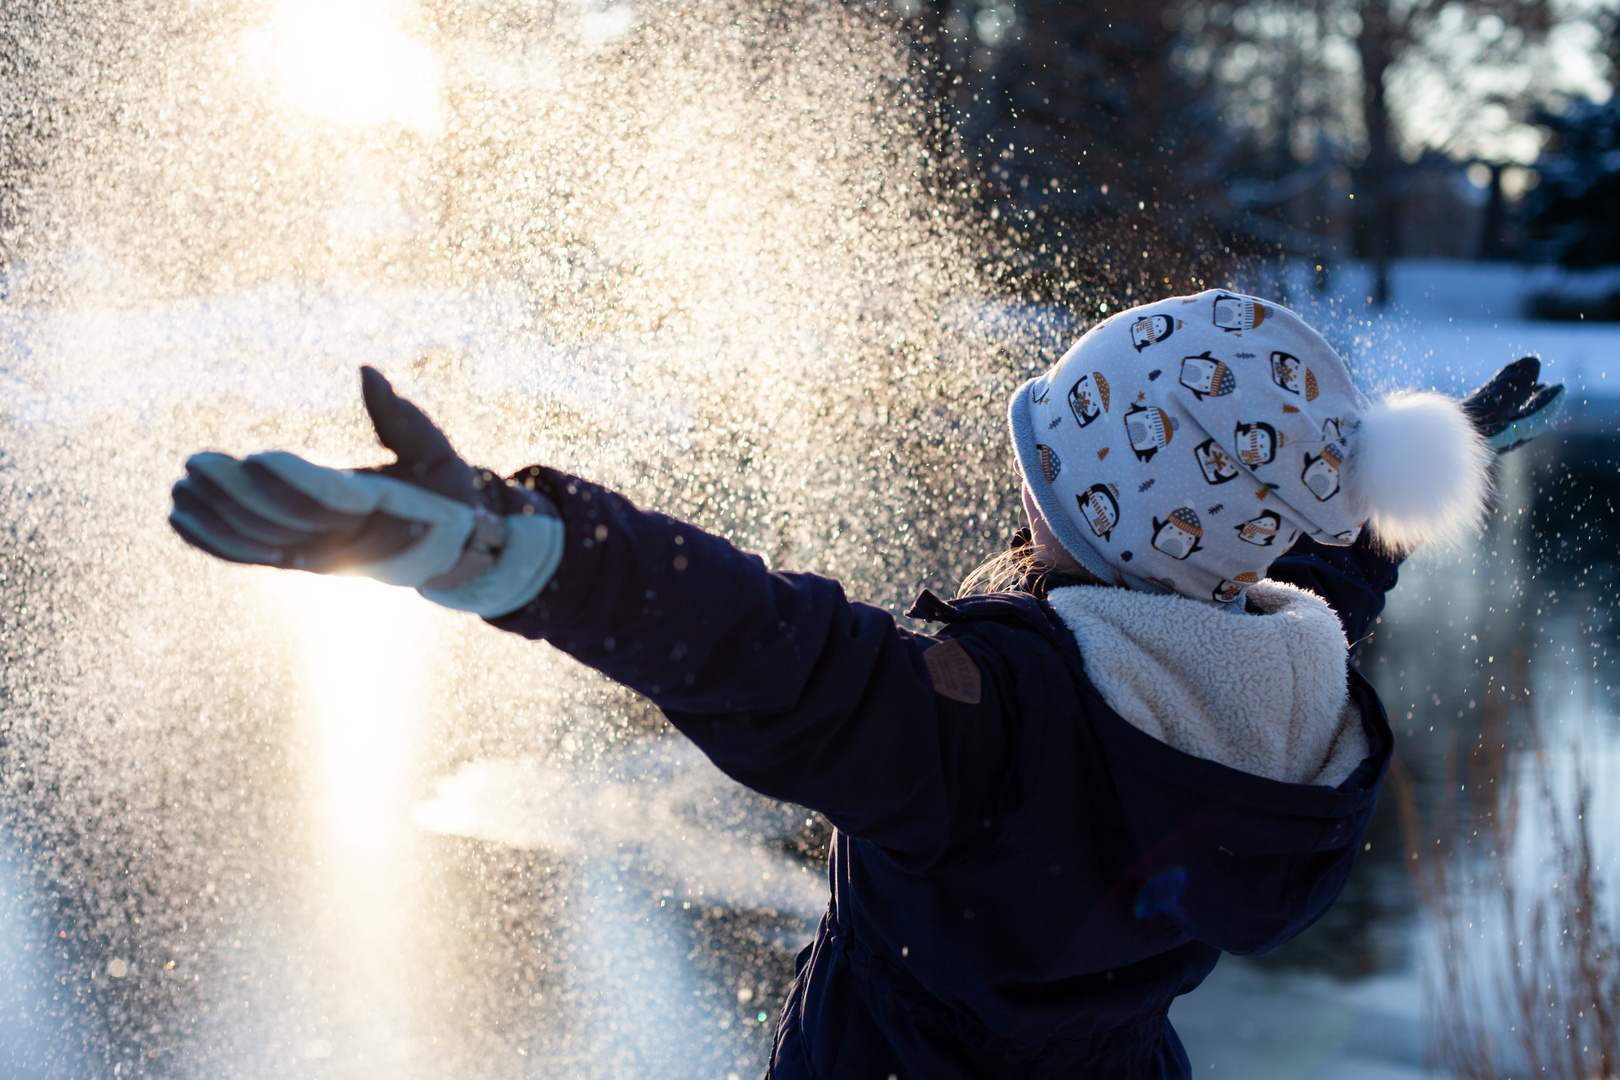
x=460, y=536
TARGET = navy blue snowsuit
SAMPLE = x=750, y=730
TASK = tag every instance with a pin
x=1020, y=887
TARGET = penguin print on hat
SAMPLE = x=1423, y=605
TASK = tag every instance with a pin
x=1215, y=463
x=1245, y=398
x=1088, y=398
x=1178, y=535
x=1321, y=475
x=1231, y=589
x=1152, y=329
x=1050, y=465
x=1256, y=443
x=1287, y=371
x=1099, y=506
x=1235, y=314
x=1260, y=530
x=1206, y=376
x=1149, y=429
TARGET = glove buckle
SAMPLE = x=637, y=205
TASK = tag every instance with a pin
x=482, y=550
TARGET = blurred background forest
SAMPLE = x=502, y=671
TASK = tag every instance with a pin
x=1316, y=132
x=1084, y=132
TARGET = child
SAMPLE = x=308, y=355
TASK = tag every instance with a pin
x=1055, y=813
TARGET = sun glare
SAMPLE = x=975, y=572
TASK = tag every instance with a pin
x=364, y=665
x=363, y=672
x=352, y=63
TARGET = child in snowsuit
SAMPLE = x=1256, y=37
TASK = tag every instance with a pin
x=1055, y=812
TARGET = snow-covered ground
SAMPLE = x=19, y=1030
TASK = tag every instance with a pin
x=1449, y=325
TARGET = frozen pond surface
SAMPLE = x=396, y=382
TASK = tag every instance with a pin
x=320, y=830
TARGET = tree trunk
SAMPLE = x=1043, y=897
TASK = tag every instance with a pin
x=1492, y=242
x=1376, y=43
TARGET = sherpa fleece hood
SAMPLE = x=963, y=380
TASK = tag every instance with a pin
x=1264, y=694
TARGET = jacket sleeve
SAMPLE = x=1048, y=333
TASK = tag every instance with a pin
x=1353, y=579
x=785, y=684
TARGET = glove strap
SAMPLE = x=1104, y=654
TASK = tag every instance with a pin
x=478, y=558
x=521, y=563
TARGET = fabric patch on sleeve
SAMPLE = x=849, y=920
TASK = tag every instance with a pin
x=954, y=673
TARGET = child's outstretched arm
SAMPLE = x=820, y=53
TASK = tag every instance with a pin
x=1512, y=408
x=784, y=683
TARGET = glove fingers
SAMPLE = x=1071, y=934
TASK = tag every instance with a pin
x=231, y=476
x=308, y=496
x=1545, y=396
x=1504, y=391
x=1521, y=374
x=198, y=492
x=404, y=524
x=1511, y=395
x=1514, y=382
x=1548, y=403
x=1530, y=365
x=232, y=533
x=202, y=528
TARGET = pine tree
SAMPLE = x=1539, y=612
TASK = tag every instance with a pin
x=1575, y=210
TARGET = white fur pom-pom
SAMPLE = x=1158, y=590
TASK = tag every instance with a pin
x=1418, y=470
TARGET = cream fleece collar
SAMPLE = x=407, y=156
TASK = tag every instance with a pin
x=1266, y=694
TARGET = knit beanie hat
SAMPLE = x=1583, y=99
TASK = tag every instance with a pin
x=1183, y=445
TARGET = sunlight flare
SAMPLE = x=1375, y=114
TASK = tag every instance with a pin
x=352, y=63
